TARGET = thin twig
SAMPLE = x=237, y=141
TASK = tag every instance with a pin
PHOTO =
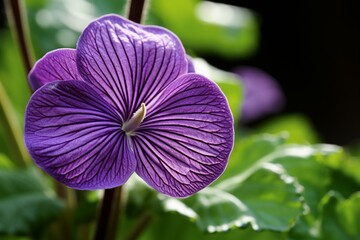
x=14, y=10
x=16, y=16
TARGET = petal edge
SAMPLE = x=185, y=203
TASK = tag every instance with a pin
x=56, y=65
x=186, y=139
x=75, y=136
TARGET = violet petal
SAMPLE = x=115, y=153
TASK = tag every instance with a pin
x=186, y=138
x=263, y=95
x=190, y=64
x=129, y=63
x=75, y=136
x=56, y=65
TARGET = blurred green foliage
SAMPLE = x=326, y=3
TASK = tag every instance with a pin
x=204, y=26
x=25, y=206
x=279, y=179
x=231, y=32
x=297, y=126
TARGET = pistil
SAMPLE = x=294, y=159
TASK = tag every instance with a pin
x=134, y=122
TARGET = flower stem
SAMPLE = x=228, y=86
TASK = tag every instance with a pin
x=14, y=10
x=109, y=213
x=136, y=10
x=110, y=206
x=16, y=13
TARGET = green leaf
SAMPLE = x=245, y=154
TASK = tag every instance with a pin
x=25, y=206
x=181, y=228
x=248, y=152
x=345, y=169
x=305, y=228
x=303, y=163
x=202, y=28
x=341, y=217
x=298, y=127
x=300, y=159
x=268, y=200
x=351, y=167
x=345, y=162
x=218, y=211
x=349, y=212
x=174, y=205
x=5, y=162
x=273, y=198
x=342, y=183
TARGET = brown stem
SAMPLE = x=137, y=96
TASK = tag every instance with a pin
x=109, y=213
x=14, y=10
x=136, y=10
x=110, y=206
x=16, y=13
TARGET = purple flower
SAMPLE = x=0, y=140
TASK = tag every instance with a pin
x=262, y=96
x=123, y=102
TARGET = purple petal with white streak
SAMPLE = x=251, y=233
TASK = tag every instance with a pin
x=128, y=63
x=76, y=137
x=56, y=65
x=186, y=138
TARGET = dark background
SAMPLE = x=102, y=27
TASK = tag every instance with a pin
x=312, y=49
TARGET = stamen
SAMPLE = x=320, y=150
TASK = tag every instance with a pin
x=129, y=126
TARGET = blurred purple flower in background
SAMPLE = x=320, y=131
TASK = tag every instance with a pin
x=123, y=102
x=190, y=64
x=263, y=94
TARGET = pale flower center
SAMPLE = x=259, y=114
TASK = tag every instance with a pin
x=134, y=122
